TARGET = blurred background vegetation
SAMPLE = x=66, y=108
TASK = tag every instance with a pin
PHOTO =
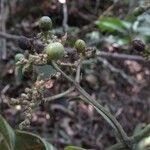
x=122, y=86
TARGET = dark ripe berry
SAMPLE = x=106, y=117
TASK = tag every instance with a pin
x=24, y=43
x=38, y=46
x=72, y=54
x=138, y=45
x=45, y=23
x=80, y=46
x=18, y=57
x=55, y=51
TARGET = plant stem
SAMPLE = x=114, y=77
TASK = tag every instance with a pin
x=142, y=134
x=52, y=98
x=77, y=79
x=104, y=113
x=65, y=17
x=117, y=146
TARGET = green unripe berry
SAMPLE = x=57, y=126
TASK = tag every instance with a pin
x=45, y=23
x=138, y=11
x=55, y=51
x=80, y=46
x=18, y=57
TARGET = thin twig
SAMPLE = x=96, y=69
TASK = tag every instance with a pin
x=128, y=78
x=78, y=71
x=118, y=146
x=67, y=64
x=78, y=74
x=3, y=18
x=9, y=36
x=65, y=17
x=2, y=97
x=123, y=57
x=97, y=5
x=52, y=98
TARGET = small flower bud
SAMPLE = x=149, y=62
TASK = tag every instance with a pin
x=27, y=90
x=31, y=104
x=24, y=96
x=29, y=116
x=80, y=46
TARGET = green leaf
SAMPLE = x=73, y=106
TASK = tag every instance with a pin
x=3, y=143
x=7, y=134
x=47, y=145
x=45, y=71
x=119, y=41
x=22, y=140
x=28, y=141
x=74, y=148
x=112, y=25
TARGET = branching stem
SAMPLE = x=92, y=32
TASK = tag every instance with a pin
x=105, y=114
x=52, y=98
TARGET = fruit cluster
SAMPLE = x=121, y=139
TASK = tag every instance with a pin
x=52, y=50
x=55, y=50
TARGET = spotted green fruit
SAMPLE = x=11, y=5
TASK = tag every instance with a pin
x=55, y=51
x=138, y=11
x=18, y=57
x=45, y=23
x=80, y=46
